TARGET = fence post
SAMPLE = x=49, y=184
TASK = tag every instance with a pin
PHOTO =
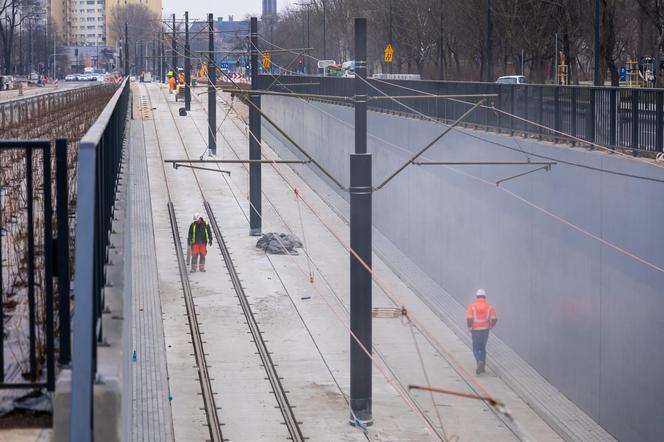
x=500, y=106
x=62, y=195
x=2, y=313
x=573, y=105
x=526, y=127
x=614, y=117
x=541, y=111
x=556, y=109
x=591, y=126
x=635, y=120
x=31, y=266
x=512, y=107
x=659, y=108
x=48, y=267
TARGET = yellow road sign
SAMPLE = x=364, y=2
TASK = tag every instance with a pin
x=388, y=53
x=266, y=60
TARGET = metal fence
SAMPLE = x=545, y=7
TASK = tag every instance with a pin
x=625, y=118
x=98, y=171
x=15, y=112
x=32, y=256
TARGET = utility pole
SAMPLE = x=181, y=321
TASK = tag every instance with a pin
x=360, y=243
x=255, y=209
x=212, y=92
x=174, y=55
x=597, y=62
x=154, y=57
x=187, y=64
x=161, y=57
x=489, y=67
x=126, y=51
x=324, y=31
x=441, y=42
x=390, y=35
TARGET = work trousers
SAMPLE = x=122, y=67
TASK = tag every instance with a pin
x=480, y=338
x=198, y=252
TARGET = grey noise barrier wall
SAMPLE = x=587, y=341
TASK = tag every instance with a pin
x=587, y=317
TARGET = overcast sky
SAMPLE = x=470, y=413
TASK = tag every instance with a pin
x=200, y=8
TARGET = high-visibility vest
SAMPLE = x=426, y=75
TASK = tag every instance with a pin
x=481, y=312
x=193, y=235
x=170, y=73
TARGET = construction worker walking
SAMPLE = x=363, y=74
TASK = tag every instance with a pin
x=171, y=83
x=481, y=318
x=198, y=239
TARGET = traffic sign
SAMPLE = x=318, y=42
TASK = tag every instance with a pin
x=388, y=53
x=266, y=60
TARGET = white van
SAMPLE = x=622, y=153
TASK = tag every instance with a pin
x=512, y=79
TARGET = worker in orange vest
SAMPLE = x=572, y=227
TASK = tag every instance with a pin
x=481, y=318
x=181, y=78
x=171, y=84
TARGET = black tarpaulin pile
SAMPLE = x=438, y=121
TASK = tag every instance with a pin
x=279, y=243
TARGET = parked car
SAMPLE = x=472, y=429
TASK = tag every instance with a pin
x=71, y=77
x=512, y=79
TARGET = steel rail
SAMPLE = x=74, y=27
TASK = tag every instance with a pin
x=196, y=339
x=278, y=390
x=438, y=351
x=214, y=426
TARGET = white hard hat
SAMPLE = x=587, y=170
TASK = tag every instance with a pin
x=197, y=216
x=481, y=293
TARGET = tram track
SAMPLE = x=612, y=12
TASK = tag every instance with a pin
x=278, y=390
x=510, y=425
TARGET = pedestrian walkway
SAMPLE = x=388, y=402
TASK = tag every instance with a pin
x=150, y=419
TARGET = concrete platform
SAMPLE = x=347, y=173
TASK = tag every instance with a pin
x=305, y=323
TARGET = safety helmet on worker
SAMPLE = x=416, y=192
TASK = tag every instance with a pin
x=197, y=216
x=481, y=293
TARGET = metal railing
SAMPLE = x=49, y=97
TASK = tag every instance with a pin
x=16, y=111
x=98, y=171
x=623, y=118
x=33, y=258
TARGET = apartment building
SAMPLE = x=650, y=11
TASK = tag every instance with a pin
x=84, y=22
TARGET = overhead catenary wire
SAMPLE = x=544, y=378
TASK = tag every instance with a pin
x=331, y=231
x=405, y=396
x=533, y=205
x=595, y=145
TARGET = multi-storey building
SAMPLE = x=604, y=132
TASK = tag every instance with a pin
x=84, y=22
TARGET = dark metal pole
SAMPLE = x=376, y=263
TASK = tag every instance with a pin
x=174, y=54
x=390, y=35
x=441, y=41
x=596, y=76
x=62, y=196
x=324, y=31
x=255, y=211
x=187, y=64
x=489, y=67
x=126, y=51
x=154, y=57
x=48, y=268
x=31, y=266
x=212, y=93
x=2, y=303
x=361, y=244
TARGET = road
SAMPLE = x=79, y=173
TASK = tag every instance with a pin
x=32, y=91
